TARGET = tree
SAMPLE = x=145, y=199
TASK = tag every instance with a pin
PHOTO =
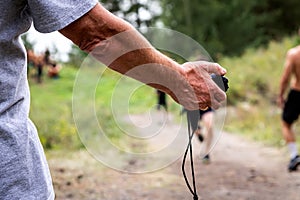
x=230, y=26
x=140, y=13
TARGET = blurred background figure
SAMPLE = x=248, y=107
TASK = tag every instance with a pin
x=53, y=71
x=201, y=122
x=290, y=105
x=204, y=132
x=161, y=100
x=37, y=62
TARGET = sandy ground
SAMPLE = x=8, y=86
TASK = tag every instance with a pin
x=239, y=170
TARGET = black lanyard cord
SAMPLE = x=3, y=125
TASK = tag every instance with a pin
x=192, y=120
x=189, y=148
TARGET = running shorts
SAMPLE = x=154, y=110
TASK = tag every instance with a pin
x=291, y=108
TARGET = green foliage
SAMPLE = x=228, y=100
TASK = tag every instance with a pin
x=51, y=106
x=257, y=122
x=229, y=27
x=257, y=72
x=134, y=11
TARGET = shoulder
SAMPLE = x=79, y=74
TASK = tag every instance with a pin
x=294, y=53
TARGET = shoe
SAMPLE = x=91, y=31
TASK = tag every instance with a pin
x=294, y=164
x=206, y=159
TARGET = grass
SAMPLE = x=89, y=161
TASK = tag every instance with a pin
x=51, y=105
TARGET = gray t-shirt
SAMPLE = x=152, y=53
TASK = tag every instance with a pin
x=24, y=172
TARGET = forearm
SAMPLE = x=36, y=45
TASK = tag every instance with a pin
x=286, y=75
x=139, y=60
x=152, y=68
x=113, y=41
x=282, y=88
x=118, y=45
x=122, y=48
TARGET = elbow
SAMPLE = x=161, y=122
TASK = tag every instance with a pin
x=284, y=83
x=89, y=44
x=101, y=41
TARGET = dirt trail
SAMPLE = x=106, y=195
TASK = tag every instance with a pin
x=240, y=170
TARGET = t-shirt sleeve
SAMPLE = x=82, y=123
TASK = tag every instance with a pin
x=53, y=15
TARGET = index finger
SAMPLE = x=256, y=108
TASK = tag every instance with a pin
x=216, y=69
x=211, y=67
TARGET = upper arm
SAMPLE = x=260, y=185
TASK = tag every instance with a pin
x=288, y=67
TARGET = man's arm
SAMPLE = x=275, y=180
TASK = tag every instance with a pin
x=286, y=77
x=118, y=45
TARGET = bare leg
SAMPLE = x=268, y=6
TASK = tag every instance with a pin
x=290, y=139
x=207, y=120
x=288, y=133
